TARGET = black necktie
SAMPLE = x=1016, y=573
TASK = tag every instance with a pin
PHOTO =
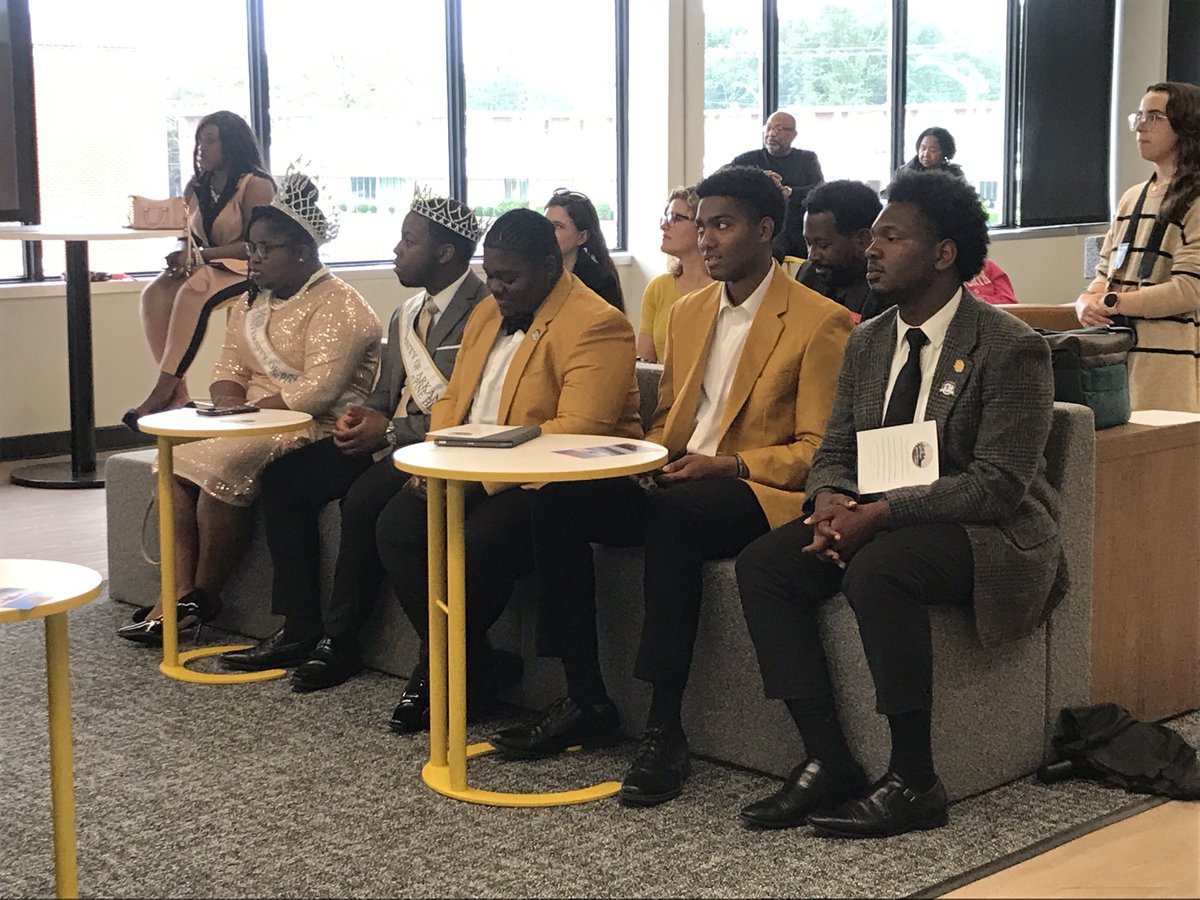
x=902, y=408
x=513, y=324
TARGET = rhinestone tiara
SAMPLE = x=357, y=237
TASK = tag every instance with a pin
x=298, y=197
x=447, y=212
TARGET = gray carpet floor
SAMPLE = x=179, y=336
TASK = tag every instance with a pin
x=250, y=790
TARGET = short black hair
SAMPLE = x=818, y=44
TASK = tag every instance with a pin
x=464, y=247
x=752, y=189
x=953, y=211
x=944, y=138
x=528, y=234
x=284, y=223
x=853, y=205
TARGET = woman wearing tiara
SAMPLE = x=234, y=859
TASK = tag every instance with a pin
x=299, y=339
x=228, y=182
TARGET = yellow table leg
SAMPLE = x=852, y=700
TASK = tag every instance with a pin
x=62, y=778
x=174, y=663
x=446, y=771
x=435, y=502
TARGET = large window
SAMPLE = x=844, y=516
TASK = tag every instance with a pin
x=370, y=94
x=369, y=117
x=733, y=46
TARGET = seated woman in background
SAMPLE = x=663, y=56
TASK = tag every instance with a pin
x=685, y=273
x=228, y=182
x=935, y=148
x=584, y=250
x=300, y=339
x=1149, y=269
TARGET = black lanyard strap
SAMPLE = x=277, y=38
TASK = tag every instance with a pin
x=1157, y=233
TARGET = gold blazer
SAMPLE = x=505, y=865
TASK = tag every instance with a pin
x=782, y=391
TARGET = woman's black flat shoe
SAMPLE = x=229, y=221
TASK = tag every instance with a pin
x=139, y=614
x=191, y=611
x=130, y=420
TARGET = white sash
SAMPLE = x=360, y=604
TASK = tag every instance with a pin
x=424, y=382
x=258, y=317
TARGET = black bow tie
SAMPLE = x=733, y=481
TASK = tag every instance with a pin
x=513, y=324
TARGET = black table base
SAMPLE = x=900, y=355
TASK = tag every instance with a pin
x=56, y=475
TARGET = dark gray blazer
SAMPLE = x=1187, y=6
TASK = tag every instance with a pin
x=442, y=341
x=992, y=431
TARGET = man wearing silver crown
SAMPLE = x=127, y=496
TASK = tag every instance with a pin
x=438, y=238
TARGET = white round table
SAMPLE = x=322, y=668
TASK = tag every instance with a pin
x=449, y=470
x=181, y=426
x=81, y=471
x=44, y=589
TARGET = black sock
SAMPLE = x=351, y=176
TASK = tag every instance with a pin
x=912, y=749
x=665, y=708
x=302, y=628
x=585, y=684
x=822, y=733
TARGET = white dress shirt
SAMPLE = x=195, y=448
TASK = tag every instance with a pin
x=935, y=329
x=485, y=406
x=729, y=337
x=442, y=298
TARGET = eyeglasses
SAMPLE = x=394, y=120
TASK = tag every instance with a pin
x=671, y=218
x=262, y=248
x=1151, y=118
x=574, y=195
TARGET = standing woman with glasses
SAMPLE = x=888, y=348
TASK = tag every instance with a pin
x=685, y=273
x=584, y=250
x=1149, y=270
x=228, y=182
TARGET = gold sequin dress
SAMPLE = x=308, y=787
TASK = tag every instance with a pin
x=329, y=337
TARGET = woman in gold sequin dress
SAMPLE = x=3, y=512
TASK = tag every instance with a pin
x=301, y=339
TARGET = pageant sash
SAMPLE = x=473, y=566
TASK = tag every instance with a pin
x=258, y=317
x=424, y=382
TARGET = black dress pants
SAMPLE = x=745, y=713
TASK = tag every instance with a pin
x=680, y=527
x=498, y=553
x=889, y=584
x=294, y=489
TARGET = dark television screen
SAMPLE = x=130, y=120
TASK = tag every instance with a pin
x=18, y=144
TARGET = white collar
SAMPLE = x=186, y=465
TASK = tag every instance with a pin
x=443, y=297
x=754, y=301
x=935, y=327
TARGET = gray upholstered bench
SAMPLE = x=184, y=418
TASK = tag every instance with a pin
x=993, y=709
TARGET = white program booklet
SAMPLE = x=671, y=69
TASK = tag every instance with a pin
x=898, y=456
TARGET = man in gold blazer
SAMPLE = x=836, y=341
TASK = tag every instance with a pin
x=542, y=350
x=749, y=379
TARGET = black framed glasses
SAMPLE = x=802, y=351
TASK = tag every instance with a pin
x=671, y=218
x=262, y=248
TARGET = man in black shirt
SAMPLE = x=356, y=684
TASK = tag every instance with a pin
x=837, y=227
x=796, y=171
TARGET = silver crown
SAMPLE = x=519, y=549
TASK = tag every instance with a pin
x=448, y=213
x=298, y=197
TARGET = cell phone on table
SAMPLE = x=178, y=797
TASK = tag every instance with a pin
x=226, y=410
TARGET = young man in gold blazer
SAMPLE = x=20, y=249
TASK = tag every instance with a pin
x=542, y=350
x=749, y=379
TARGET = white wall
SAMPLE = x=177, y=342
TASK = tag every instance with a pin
x=666, y=149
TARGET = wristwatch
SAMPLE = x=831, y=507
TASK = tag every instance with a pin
x=1110, y=300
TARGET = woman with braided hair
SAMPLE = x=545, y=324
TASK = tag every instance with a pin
x=228, y=182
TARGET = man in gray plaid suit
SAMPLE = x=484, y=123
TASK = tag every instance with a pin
x=984, y=534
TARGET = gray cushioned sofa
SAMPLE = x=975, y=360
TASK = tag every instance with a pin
x=993, y=709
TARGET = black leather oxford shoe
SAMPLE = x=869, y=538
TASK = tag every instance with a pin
x=659, y=768
x=890, y=808
x=270, y=653
x=564, y=724
x=412, y=712
x=810, y=787
x=330, y=663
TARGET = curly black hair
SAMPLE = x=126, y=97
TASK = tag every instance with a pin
x=953, y=211
x=854, y=205
x=752, y=189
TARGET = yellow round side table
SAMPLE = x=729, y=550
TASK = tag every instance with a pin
x=181, y=426
x=44, y=589
x=550, y=457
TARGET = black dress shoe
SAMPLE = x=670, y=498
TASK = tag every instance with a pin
x=658, y=770
x=331, y=662
x=890, y=808
x=811, y=786
x=270, y=653
x=412, y=712
x=563, y=725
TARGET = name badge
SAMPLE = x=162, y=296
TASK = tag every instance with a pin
x=1118, y=257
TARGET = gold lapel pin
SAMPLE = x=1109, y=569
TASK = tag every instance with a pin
x=959, y=365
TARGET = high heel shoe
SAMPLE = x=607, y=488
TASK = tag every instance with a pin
x=191, y=611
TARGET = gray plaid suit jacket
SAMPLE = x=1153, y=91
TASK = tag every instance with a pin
x=992, y=431
x=442, y=342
